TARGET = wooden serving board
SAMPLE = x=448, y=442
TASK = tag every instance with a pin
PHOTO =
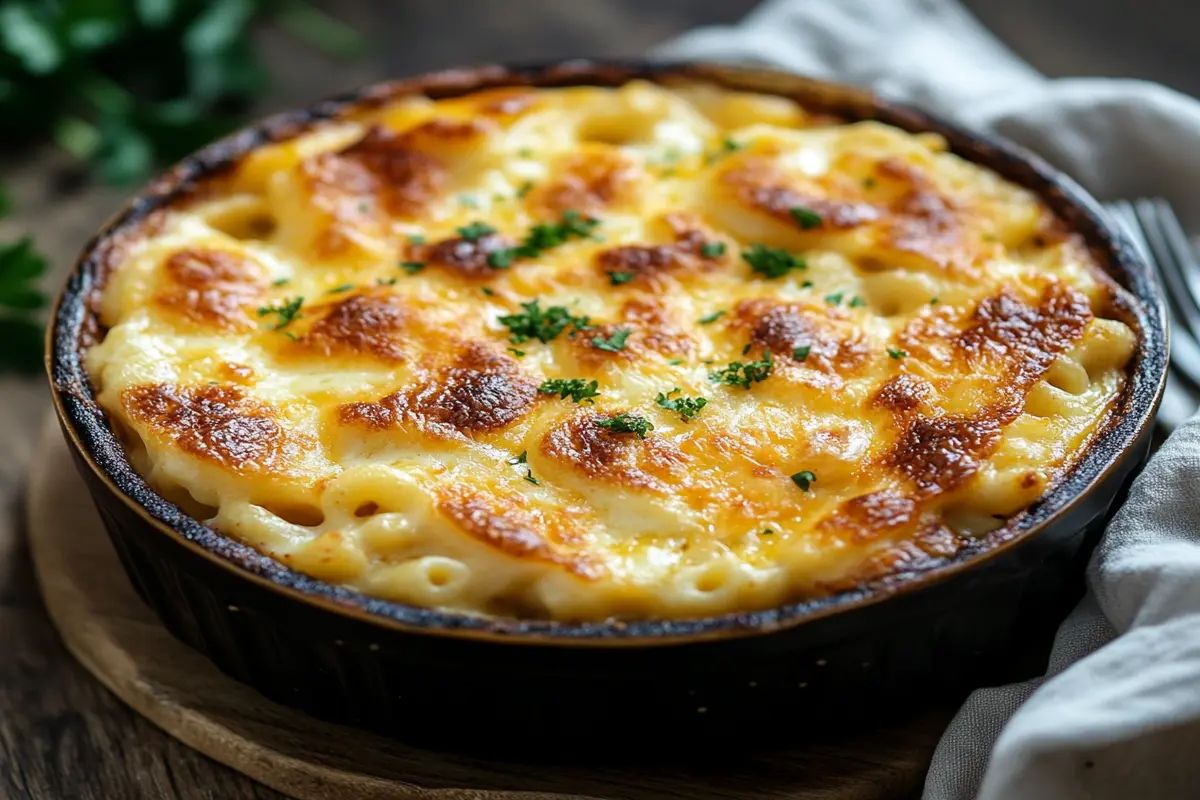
x=120, y=641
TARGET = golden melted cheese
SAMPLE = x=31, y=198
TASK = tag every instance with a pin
x=317, y=354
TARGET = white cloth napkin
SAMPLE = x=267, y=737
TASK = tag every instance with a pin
x=1118, y=713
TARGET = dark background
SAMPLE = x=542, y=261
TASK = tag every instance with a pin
x=61, y=734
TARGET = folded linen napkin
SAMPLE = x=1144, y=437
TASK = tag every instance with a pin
x=1118, y=713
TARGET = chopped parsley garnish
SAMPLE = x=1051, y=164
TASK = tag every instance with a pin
x=868, y=183
x=739, y=374
x=287, y=312
x=525, y=188
x=525, y=152
x=674, y=362
x=807, y=285
x=468, y=201
x=857, y=302
x=364, y=207
x=712, y=249
x=416, y=238
x=541, y=324
x=771, y=262
x=618, y=278
x=545, y=235
x=516, y=352
x=412, y=267
x=896, y=352
x=385, y=281
x=281, y=281
x=687, y=407
x=614, y=343
x=627, y=423
x=475, y=230
x=804, y=479
x=746, y=349
x=834, y=298
x=806, y=218
x=933, y=301
x=523, y=459
x=345, y=287
x=800, y=353
x=708, y=319
x=575, y=388
x=767, y=532
x=727, y=146
x=488, y=291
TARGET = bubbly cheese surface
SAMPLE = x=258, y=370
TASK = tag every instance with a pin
x=584, y=353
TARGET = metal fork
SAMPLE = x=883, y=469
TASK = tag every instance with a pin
x=1152, y=225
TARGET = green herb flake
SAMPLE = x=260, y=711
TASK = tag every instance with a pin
x=345, y=287
x=475, y=231
x=575, y=388
x=708, y=319
x=743, y=375
x=416, y=238
x=868, y=183
x=933, y=301
x=618, y=278
x=516, y=352
x=771, y=262
x=800, y=353
x=627, y=423
x=767, y=532
x=281, y=281
x=806, y=218
x=857, y=302
x=615, y=343
x=385, y=281
x=521, y=459
x=712, y=249
x=468, y=201
x=896, y=353
x=412, y=267
x=286, y=312
x=834, y=298
x=804, y=479
x=675, y=362
x=488, y=291
x=686, y=407
x=544, y=236
x=541, y=324
x=524, y=189
x=530, y=479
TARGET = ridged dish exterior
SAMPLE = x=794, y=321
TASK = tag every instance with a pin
x=456, y=680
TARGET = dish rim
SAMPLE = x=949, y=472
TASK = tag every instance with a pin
x=83, y=421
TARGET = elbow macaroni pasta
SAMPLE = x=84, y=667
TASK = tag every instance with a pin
x=345, y=351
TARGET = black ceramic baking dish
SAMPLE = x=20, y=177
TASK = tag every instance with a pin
x=467, y=680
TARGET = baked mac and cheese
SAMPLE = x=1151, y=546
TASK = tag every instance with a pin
x=580, y=353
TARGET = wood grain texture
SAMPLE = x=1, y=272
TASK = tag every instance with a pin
x=118, y=639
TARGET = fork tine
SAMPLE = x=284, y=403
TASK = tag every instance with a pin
x=1170, y=261
x=1178, y=402
x=1180, y=245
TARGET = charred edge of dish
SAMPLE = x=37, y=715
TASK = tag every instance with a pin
x=69, y=334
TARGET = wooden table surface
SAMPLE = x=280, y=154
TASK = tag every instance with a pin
x=61, y=734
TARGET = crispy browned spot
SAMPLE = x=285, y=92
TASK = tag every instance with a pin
x=466, y=258
x=589, y=183
x=869, y=516
x=922, y=220
x=503, y=523
x=648, y=263
x=385, y=164
x=903, y=393
x=217, y=423
x=932, y=545
x=939, y=454
x=650, y=327
x=363, y=324
x=482, y=391
x=1020, y=340
x=784, y=327
x=618, y=458
x=211, y=287
x=758, y=184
